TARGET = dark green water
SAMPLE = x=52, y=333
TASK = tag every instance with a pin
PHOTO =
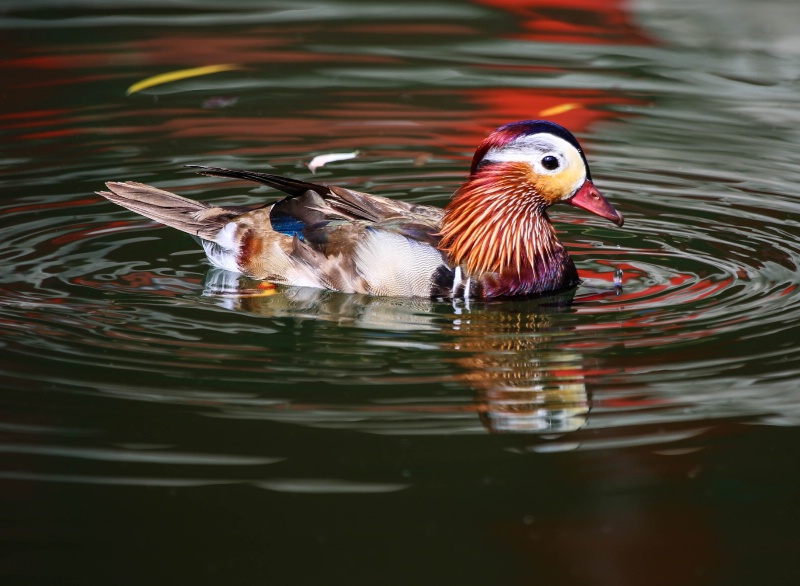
x=155, y=428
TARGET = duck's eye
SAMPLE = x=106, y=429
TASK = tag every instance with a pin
x=550, y=163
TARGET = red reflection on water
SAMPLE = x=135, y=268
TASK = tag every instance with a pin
x=363, y=120
x=89, y=230
x=574, y=21
x=31, y=118
x=679, y=287
x=576, y=109
x=50, y=205
x=612, y=538
x=153, y=283
x=186, y=50
x=346, y=119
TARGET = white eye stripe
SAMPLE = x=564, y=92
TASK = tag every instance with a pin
x=570, y=173
x=532, y=149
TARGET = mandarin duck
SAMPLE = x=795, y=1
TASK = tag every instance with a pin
x=493, y=239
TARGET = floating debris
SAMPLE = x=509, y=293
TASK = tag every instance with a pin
x=560, y=109
x=219, y=102
x=178, y=75
x=322, y=160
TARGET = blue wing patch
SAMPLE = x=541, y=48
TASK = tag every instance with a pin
x=286, y=224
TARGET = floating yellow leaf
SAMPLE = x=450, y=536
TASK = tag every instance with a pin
x=178, y=75
x=560, y=109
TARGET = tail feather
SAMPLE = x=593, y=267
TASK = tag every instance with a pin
x=185, y=214
x=293, y=187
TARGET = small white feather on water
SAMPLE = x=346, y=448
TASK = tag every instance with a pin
x=322, y=160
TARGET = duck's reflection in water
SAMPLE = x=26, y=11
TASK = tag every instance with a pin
x=523, y=382
x=508, y=353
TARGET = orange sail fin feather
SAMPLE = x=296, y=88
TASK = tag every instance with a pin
x=494, y=238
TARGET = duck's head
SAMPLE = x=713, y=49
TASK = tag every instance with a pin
x=497, y=218
x=544, y=159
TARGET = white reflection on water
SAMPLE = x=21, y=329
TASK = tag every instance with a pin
x=329, y=486
x=151, y=456
x=111, y=480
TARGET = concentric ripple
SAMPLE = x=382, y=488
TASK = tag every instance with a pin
x=707, y=298
x=102, y=310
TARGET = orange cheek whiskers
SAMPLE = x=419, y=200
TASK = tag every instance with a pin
x=495, y=222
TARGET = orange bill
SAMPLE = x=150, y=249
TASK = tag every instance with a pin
x=591, y=200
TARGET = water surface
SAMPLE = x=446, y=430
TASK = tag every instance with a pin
x=161, y=421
